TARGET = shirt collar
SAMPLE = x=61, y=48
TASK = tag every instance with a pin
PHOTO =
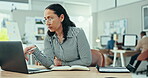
x=144, y=36
x=69, y=34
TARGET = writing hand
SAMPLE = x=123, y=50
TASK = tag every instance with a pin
x=29, y=50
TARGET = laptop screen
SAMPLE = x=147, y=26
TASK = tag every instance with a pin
x=12, y=56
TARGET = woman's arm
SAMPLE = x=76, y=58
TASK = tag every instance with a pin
x=83, y=51
x=138, y=46
x=45, y=58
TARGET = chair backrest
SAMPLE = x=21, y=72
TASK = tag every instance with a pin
x=143, y=56
x=97, y=58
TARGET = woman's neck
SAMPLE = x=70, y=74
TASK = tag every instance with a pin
x=60, y=34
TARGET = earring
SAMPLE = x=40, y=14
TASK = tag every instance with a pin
x=62, y=20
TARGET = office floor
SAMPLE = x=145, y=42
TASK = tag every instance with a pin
x=139, y=75
x=141, y=67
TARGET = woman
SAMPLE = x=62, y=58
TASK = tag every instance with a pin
x=64, y=44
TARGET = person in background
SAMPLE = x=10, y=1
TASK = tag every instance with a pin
x=110, y=45
x=141, y=47
x=64, y=43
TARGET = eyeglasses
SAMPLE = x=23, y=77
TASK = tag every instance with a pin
x=47, y=20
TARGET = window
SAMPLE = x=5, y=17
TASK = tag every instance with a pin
x=145, y=18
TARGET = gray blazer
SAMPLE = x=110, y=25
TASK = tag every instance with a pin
x=74, y=51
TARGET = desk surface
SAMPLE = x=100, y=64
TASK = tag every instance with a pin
x=93, y=73
x=127, y=53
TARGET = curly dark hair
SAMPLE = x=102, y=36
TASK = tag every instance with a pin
x=58, y=9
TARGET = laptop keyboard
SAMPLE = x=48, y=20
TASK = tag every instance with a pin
x=34, y=69
x=38, y=70
x=113, y=69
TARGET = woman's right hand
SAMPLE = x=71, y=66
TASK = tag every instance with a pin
x=57, y=62
x=29, y=50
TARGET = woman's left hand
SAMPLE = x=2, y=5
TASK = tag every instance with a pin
x=57, y=62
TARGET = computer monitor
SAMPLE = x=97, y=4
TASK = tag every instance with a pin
x=129, y=40
x=104, y=39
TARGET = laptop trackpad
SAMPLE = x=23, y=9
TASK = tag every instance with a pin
x=36, y=70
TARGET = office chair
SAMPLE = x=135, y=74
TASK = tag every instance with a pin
x=143, y=57
x=97, y=58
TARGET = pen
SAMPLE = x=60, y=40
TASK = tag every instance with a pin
x=31, y=49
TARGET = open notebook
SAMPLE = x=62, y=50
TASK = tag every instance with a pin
x=66, y=68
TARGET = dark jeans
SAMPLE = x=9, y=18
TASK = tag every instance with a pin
x=133, y=58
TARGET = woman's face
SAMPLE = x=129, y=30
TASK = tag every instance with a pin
x=53, y=22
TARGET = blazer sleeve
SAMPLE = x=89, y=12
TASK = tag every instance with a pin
x=46, y=58
x=139, y=45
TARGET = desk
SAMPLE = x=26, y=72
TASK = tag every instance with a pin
x=93, y=73
x=128, y=53
x=121, y=56
x=119, y=53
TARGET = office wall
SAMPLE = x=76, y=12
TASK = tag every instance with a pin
x=40, y=5
x=77, y=9
x=19, y=16
x=131, y=12
x=94, y=29
x=71, y=8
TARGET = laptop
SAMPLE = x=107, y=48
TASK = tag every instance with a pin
x=12, y=58
x=112, y=69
